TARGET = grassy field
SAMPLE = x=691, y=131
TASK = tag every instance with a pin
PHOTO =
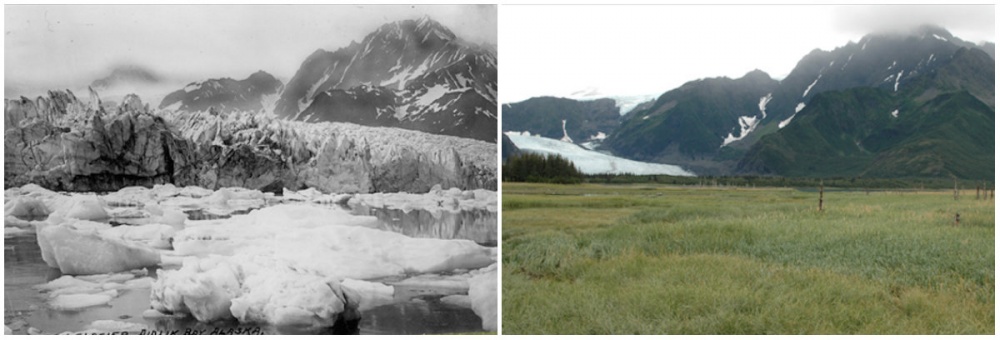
x=643, y=259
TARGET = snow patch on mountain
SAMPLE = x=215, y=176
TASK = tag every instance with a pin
x=747, y=125
x=433, y=94
x=895, y=113
x=174, y=106
x=763, y=105
x=269, y=101
x=592, y=162
x=785, y=122
x=565, y=137
x=811, y=86
x=400, y=78
x=847, y=62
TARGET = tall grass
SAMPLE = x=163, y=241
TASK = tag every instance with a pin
x=647, y=260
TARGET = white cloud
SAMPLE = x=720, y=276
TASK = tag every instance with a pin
x=650, y=49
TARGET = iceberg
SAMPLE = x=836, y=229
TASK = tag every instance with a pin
x=202, y=288
x=151, y=235
x=483, y=294
x=87, y=252
x=84, y=291
x=80, y=301
x=26, y=208
x=298, y=266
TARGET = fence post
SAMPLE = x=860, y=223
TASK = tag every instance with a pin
x=956, y=187
x=821, y=195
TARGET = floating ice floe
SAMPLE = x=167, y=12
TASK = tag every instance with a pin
x=436, y=199
x=371, y=294
x=26, y=208
x=80, y=292
x=291, y=265
x=462, y=301
x=76, y=251
x=286, y=265
x=483, y=295
x=81, y=207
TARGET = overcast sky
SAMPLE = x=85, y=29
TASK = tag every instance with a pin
x=641, y=50
x=68, y=46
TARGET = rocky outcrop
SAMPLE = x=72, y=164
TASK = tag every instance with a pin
x=256, y=93
x=62, y=143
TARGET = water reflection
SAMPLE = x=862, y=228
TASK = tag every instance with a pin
x=479, y=225
x=419, y=316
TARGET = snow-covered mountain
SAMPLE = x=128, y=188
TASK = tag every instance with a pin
x=625, y=103
x=413, y=74
x=579, y=121
x=258, y=92
x=882, y=60
x=708, y=125
x=591, y=162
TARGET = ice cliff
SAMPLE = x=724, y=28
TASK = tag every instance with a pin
x=63, y=143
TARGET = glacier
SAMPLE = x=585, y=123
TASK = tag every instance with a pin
x=59, y=141
x=592, y=162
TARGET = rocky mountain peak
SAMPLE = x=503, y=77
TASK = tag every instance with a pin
x=226, y=95
x=757, y=76
x=427, y=79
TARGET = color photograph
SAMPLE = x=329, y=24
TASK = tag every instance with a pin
x=748, y=169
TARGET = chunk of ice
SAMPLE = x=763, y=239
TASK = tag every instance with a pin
x=483, y=294
x=79, y=301
x=81, y=252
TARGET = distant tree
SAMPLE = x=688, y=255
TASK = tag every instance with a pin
x=533, y=167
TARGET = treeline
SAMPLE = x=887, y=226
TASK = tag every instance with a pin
x=532, y=167
x=793, y=182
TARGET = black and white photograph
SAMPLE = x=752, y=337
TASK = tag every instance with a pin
x=250, y=169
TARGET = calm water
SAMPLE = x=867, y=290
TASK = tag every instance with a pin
x=415, y=311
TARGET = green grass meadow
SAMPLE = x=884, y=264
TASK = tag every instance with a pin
x=646, y=259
